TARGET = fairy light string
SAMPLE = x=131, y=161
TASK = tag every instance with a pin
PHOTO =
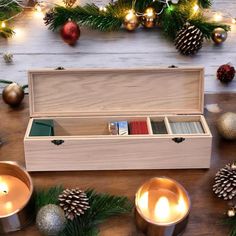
x=214, y=15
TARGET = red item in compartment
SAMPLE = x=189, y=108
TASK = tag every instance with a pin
x=138, y=127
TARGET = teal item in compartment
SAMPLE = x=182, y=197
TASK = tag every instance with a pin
x=42, y=128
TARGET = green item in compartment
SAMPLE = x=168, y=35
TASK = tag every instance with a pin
x=42, y=128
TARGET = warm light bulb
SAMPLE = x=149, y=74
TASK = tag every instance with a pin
x=104, y=9
x=149, y=12
x=195, y=8
x=3, y=25
x=162, y=209
x=218, y=17
x=130, y=15
x=3, y=188
x=38, y=8
x=233, y=21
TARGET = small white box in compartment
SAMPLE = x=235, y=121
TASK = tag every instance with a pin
x=82, y=102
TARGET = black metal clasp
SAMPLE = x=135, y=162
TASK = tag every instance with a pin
x=178, y=140
x=57, y=142
x=60, y=68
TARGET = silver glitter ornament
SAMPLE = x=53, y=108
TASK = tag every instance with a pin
x=50, y=220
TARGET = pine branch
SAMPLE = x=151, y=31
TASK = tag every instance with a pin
x=89, y=16
x=207, y=27
x=172, y=20
x=204, y=3
x=8, y=10
x=2, y=81
x=49, y=196
x=102, y=206
x=231, y=221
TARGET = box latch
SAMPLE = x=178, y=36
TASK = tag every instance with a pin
x=57, y=142
x=178, y=140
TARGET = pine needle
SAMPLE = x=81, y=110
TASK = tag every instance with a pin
x=49, y=196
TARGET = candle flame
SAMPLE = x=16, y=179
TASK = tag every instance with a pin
x=181, y=207
x=162, y=209
x=3, y=188
x=143, y=201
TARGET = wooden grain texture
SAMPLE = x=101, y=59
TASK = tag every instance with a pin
x=207, y=210
x=116, y=92
x=118, y=153
x=36, y=47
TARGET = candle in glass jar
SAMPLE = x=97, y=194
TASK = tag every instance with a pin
x=162, y=207
x=13, y=194
x=16, y=197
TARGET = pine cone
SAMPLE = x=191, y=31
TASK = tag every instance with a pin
x=189, y=40
x=225, y=182
x=74, y=202
x=48, y=18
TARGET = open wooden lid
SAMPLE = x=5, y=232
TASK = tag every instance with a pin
x=147, y=91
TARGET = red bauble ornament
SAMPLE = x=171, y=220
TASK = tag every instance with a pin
x=70, y=32
x=225, y=73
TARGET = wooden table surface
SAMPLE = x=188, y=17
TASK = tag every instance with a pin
x=206, y=211
x=34, y=46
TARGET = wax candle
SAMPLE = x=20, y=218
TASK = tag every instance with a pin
x=162, y=207
x=16, y=190
x=13, y=194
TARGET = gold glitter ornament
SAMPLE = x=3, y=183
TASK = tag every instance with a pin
x=50, y=220
x=149, y=18
x=131, y=21
x=226, y=125
x=219, y=35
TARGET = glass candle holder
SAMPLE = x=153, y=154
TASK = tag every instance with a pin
x=162, y=207
x=16, y=197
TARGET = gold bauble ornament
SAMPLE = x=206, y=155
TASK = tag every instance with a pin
x=226, y=125
x=13, y=94
x=131, y=21
x=219, y=35
x=149, y=18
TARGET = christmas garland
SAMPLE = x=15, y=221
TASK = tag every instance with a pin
x=73, y=212
x=170, y=16
x=8, y=9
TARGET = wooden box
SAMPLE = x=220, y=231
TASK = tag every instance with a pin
x=82, y=102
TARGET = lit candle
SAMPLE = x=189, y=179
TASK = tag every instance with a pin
x=162, y=207
x=15, y=197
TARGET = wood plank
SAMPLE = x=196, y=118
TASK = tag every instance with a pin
x=23, y=63
x=36, y=47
